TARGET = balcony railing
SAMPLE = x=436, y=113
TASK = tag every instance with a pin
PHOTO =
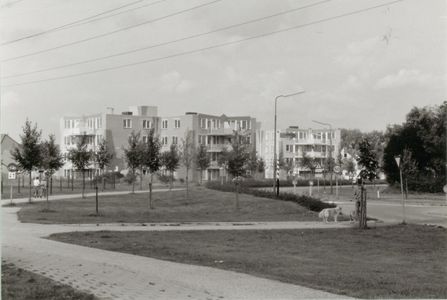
x=79, y=131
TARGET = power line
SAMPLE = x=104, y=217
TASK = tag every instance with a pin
x=15, y=16
x=76, y=22
x=109, y=33
x=167, y=43
x=206, y=48
x=11, y=3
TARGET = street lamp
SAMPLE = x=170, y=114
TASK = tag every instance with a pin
x=397, y=158
x=330, y=139
x=275, y=178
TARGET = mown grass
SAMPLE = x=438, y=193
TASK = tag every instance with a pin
x=400, y=262
x=18, y=284
x=202, y=205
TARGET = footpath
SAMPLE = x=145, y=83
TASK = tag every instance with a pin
x=112, y=275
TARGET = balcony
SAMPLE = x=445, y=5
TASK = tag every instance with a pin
x=79, y=131
x=218, y=147
x=219, y=131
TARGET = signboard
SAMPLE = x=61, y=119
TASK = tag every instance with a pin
x=294, y=182
x=311, y=182
x=11, y=175
x=290, y=135
x=337, y=169
x=12, y=167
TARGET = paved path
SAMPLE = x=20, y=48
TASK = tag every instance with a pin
x=112, y=275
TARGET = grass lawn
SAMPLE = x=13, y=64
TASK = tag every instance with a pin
x=20, y=284
x=402, y=261
x=203, y=205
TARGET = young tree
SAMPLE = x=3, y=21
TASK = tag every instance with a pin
x=261, y=166
x=151, y=156
x=102, y=156
x=52, y=160
x=288, y=166
x=187, y=153
x=203, y=159
x=222, y=161
x=368, y=159
x=309, y=162
x=28, y=153
x=132, y=155
x=238, y=158
x=171, y=161
x=409, y=167
x=81, y=157
x=252, y=163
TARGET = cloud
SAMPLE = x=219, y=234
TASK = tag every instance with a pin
x=10, y=99
x=172, y=82
x=405, y=77
x=352, y=83
x=357, y=52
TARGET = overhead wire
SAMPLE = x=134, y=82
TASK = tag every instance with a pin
x=109, y=33
x=69, y=25
x=30, y=11
x=206, y=48
x=6, y=5
x=167, y=43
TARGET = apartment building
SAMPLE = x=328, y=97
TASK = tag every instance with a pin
x=114, y=128
x=213, y=131
x=294, y=143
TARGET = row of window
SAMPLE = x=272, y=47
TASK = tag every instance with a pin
x=93, y=140
x=92, y=123
x=164, y=124
x=301, y=148
x=146, y=124
x=303, y=135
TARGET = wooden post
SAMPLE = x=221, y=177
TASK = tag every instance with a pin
x=72, y=183
x=60, y=184
x=51, y=186
x=18, y=186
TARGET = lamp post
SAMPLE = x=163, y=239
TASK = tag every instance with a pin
x=397, y=158
x=275, y=178
x=330, y=139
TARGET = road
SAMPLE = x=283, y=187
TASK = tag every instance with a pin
x=431, y=210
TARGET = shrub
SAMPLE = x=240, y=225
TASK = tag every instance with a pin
x=129, y=178
x=165, y=179
x=246, y=187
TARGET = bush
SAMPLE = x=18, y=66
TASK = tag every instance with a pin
x=165, y=179
x=246, y=187
x=129, y=178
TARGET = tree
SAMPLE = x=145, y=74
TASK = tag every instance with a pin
x=222, y=161
x=409, y=167
x=187, y=153
x=261, y=166
x=238, y=158
x=288, y=166
x=424, y=134
x=252, y=163
x=102, y=156
x=150, y=157
x=368, y=160
x=132, y=155
x=171, y=161
x=203, y=159
x=309, y=162
x=52, y=160
x=81, y=157
x=28, y=153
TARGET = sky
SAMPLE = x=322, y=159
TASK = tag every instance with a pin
x=361, y=64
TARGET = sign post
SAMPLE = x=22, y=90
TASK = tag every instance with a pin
x=294, y=186
x=311, y=183
x=337, y=171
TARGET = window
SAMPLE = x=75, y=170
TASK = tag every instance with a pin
x=303, y=135
x=98, y=139
x=202, y=139
x=145, y=139
x=203, y=123
x=267, y=149
x=127, y=123
x=90, y=123
x=266, y=136
x=147, y=124
x=249, y=139
x=177, y=123
x=67, y=124
x=164, y=124
x=164, y=140
x=91, y=140
x=174, y=140
x=98, y=123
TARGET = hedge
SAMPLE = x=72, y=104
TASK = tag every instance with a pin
x=249, y=187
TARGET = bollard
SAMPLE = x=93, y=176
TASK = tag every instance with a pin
x=97, y=213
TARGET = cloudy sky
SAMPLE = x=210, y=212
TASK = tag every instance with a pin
x=362, y=64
